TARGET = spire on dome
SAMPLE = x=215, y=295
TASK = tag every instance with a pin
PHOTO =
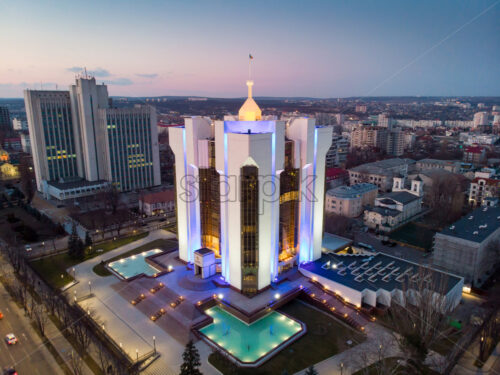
x=250, y=111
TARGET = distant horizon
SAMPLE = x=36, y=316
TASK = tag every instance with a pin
x=266, y=97
x=317, y=49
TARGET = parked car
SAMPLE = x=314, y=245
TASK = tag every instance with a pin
x=10, y=339
x=1, y=315
x=9, y=371
x=28, y=247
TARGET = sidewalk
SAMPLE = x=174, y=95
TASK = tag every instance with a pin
x=52, y=333
x=466, y=365
x=63, y=346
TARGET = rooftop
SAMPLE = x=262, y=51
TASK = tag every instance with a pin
x=65, y=185
x=476, y=226
x=384, y=211
x=332, y=242
x=487, y=181
x=204, y=251
x=374, y=272
x=383, y=166
x=399, y=196
x=159, y=197
x=474, y=149
x=332, y=173
x=351, y=191
x=440, y=162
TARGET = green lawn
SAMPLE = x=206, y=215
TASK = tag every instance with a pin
x=163, y=244
x=414, y=235
x=325, y=337
x=445, y=345
x=53, y=269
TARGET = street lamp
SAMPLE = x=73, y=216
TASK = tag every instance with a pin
x=341, y=368
x=74, y=273
x=154, y=343
x=90, y=287
x=137, y=354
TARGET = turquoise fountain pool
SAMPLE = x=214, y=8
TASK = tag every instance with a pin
x=135, y=265
x=249, y=342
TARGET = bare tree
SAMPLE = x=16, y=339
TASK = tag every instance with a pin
x=27, y=176
x=446, y=198
x=337, y=224
x=112, y=197
x=419, y=315
x=75, y=363
x=374, y=360
x=105, y=362
x=81, y=333
x=40, y=318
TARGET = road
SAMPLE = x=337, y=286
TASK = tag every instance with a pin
x=29, y=355
x=407, y=253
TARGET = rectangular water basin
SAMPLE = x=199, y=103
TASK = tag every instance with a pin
x=249, y=343
x=135, y=265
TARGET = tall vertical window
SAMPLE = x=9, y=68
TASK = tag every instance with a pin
x=289, y=203
x=249, y=217
x=210, y=208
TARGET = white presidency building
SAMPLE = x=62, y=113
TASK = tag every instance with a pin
x=251, y=190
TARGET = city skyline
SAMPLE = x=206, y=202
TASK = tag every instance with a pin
x=321, y=49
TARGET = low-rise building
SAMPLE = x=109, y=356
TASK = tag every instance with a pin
x=159, y=203
x=336, y=177
x=381, y=173
x=469, y=247
x=377, y=279
x=74, y=188
x=396, y=208
x=349, y=200
x=475, y=155
x=482, y=188
x=448, y=165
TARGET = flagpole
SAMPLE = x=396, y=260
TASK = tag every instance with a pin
x=249, y=68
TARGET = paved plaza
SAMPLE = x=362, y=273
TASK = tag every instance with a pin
x=131, y=327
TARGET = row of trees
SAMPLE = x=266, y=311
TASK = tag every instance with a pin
x=40, y=303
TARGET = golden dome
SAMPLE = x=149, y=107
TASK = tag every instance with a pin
x=250, y=111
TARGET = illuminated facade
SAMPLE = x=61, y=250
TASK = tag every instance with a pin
x=131, y=160
x=80, y=144
x=52, y=134
x=251, y=189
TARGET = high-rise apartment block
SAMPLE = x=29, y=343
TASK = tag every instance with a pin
x=391, y=140
x=4, y=118
x=385, y=121
x=250, y=190
x=337, y=154
x=481, y=118
x=80, y=145
x=18, y=124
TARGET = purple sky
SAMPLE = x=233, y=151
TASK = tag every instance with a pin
x=301, y=48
